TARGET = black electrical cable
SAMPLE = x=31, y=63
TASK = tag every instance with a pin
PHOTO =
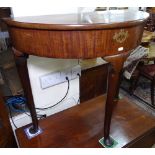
x=79, y=75
x=38, y=115
x=42, y=116
x=60, y=100
x=12, y=117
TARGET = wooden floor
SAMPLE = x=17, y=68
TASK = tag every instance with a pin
x=82, y=126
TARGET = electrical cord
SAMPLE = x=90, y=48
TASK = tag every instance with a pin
x=60, y=100
x=18, y=100
x=38, y=115
x=79, y=75
x=15, y=102
x=11, y=116
x=78, y=101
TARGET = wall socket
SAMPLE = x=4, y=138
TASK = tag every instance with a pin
x=58, y=77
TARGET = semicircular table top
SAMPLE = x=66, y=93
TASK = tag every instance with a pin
x=87, y=35
x=92, y=20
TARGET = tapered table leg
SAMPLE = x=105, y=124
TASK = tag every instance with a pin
x=115, y=67
x=21, y=63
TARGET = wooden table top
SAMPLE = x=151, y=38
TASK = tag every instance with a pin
x=92, y=20
x=88, y=35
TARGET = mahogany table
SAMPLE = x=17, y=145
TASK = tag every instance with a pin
x=108, y=34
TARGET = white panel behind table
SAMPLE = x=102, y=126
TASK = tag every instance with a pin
x=38, y=67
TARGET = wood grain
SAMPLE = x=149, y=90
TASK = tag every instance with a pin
x=82, y=126
x=74, y=44
x=95, y=80
x=110, y=35
x=7, y=138
x=87, y=21
x=42, y=35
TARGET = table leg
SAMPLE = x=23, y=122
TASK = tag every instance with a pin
x=115, y=67
x=118, y=84
x=21, y=63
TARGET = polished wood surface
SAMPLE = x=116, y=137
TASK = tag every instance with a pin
x=114, y=72
x=82, y=126
x=21, y=63
x=110, y=34
x=92, y=20
x=94, y=78
x=7, y=138
x=79, y=39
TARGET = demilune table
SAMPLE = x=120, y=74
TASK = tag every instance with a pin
x=107, y=34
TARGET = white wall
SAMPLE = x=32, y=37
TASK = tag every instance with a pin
x=39, y=67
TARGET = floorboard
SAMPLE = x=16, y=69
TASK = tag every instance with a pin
x=82, y=126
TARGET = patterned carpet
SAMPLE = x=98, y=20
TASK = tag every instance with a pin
x=137, y=100
x=141, y=96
